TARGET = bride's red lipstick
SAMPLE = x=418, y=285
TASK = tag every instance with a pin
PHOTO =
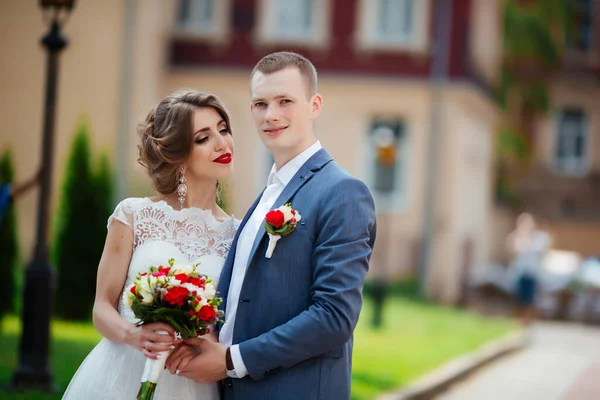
x=223, y=159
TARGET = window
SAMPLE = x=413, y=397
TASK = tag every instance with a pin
x=196, y=14
x=203, y=18
x=293, y=21
x=394, y=24
x=295, y=18
x=571, y=142
x=386, y=163
x=581, y=38
x=396, y=18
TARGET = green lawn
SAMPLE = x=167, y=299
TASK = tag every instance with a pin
x=415, y=338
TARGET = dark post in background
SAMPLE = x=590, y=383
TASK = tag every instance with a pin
x=34, y=371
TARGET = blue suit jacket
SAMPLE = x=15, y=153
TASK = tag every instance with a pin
x=298, y=309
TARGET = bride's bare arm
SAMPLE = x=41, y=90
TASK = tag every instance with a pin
x=112, y=272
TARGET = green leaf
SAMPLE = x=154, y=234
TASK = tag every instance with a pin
x=179, y=319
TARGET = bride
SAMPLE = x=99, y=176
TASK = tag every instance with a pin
x=186, y=145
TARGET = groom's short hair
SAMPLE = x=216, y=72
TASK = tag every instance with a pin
x=285, y=59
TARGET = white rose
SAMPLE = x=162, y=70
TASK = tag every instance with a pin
x=180, y=268
x=147, y=297
x=174, y=282
x=191, y=288
x=210, y=291
x=127, y=298
x=147, y=285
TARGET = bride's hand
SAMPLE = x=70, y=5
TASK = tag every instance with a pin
x=179, y=358
x=146, y=339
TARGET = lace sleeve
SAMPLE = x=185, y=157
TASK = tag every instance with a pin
x=123, y=213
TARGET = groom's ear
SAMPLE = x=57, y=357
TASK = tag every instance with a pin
x=316, y=105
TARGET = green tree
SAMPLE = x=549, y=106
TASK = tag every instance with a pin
x=9, y=246
x=81, y=228
x=534, y=36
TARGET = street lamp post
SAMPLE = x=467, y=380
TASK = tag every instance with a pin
x=34, y=369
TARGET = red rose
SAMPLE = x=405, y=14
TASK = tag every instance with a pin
x=207, y=313
x=132, y=290
x=177, y=296
x=159, y=273
x=183, y=278
x=275, y=218
x=197, y=282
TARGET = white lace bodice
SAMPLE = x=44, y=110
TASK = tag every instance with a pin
x=191, y=235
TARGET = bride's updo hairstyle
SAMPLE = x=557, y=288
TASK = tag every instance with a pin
x=166, y=136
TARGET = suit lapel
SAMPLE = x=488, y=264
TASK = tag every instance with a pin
x=304, y=174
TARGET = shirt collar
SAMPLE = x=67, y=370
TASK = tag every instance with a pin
x=287, y=172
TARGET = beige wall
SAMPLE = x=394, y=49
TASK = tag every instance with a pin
x=92, y=86
x=93, y=83
x=152, y=30
x=88, y=87
x=485, y=42
x=465, y=195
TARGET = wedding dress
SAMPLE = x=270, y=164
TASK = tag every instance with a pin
x=112, y=370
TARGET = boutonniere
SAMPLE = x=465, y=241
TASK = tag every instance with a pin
x=278, y=223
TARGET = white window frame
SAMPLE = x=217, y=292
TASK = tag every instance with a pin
x=219, y=28
x=266, y=26
x=578, y=167
x=397, y=200
x=367, y=34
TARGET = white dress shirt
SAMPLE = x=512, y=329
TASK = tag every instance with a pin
x=275, y=185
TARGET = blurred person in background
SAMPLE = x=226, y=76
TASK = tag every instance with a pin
x=10, y=192
x=527, y=245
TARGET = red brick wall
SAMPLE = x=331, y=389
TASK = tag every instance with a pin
x=341, y=57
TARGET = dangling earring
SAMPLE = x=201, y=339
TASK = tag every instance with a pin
x=182, y=189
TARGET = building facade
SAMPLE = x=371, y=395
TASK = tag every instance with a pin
x=375, y=60
x=562, y=186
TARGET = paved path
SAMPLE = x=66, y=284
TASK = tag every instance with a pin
x=561, y=363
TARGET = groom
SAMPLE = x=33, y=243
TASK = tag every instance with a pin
x=289, y=321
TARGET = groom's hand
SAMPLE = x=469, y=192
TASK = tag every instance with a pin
x=209, y=366
x=180, y=357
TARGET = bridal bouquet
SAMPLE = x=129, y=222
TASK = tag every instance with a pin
x=179, y=296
